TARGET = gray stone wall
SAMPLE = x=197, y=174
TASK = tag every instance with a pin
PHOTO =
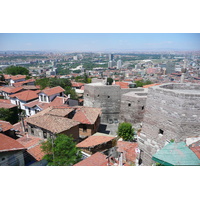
x=172, y=112
x=133, y=107
x=106, y=97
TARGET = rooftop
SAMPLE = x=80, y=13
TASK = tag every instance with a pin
x=9, y=144
x=94, y=140
x=97, y=159
x=52, y=123
x=5, y=126
x=86, y=115
x=26, y=95
x=54, y=90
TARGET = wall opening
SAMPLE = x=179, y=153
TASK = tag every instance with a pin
x=161, y=131
x=129, y=105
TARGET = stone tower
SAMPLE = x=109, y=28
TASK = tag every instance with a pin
x=172, y=112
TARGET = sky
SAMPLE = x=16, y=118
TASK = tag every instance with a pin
x=98, y=41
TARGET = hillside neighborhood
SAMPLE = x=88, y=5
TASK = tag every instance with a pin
x=163, y=118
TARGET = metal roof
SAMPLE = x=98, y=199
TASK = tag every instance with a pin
x=176, y=154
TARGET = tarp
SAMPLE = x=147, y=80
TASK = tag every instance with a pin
x=176, y=154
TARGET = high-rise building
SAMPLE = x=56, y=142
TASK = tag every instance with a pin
x=119, y=64
x=111, y=56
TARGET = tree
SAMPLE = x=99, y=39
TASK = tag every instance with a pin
x=142, y=83
x=61, y=152
x=9, y=115
x=125, y=131
x=69, y=90
x=109, y=81
x=15, y=70
x=2, y=78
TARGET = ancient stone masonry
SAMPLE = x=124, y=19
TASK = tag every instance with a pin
x=172, y=112
x=133, y=107
x=106, y=97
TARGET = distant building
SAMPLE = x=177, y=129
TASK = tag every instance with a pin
x=119, y=64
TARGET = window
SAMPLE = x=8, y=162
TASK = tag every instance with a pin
x=41, y=97
x=61, y=94
x=84, y=128
x=32, y=131
x=29, y=111
x=3, y=159
x=87, y=95
x=98, y=95
x=45, y=98
x=161, y=131
x=142, y=107
x=108, y=97
x=129, y=105
x=45, y=135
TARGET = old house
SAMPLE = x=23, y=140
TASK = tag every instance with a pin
x=33, y=152
x=89, y=119
x=49, y=123
x=16, y=79
x=7, y=129
x=23, y=83
x=47, y=95
x=11, y=152
x=24, y=97
x=97, y=143
x=9, y=90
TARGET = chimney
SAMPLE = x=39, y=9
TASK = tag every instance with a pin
x=121, y=159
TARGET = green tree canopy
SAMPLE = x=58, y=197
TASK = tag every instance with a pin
x=142, y=83
x=61, y=152
x=9, y=115
x=109, y=81
x=15, y=70
x=125, y=131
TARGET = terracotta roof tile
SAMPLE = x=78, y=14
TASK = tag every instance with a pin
x=36, y=152
x=77, y=84
x=17, y=77
x=33, y=145
x=196, y=150
x=9, y=144
x=97, y=159
x=54, y=124
x=54, y=90
x=122, y=84
x=128, y=149
x=26, y=95
x=7, y=105
x=151, y=85
x=18, y=84
x=86, y=115
x=5, y=126
x=18, y=128
x=94, y=140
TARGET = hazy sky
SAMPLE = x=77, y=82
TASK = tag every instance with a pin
x=99, y=41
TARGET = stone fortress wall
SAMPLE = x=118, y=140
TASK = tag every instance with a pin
x=172, y=112
x=108, y=98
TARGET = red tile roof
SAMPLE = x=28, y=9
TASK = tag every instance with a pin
x=6, y=76
x=5, y=126
x=53, y=90
x=11, y=89
x=94, y=140
x=17, y=77
x=33, y=145
x=9, y=144
x=52, y=123
x=87, y=115
x=18, y=128
x=4, y=103
x=26, y=95
x=36, y=152
x=196, y=150
x=18, y=84
x=122, y=84
x=97, y=159
x=76, y=84
x=128, y=149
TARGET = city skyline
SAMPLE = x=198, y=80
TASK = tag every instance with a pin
x=99, y=41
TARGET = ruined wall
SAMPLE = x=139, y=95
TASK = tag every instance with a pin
x=133, y=107
x=172, y=112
